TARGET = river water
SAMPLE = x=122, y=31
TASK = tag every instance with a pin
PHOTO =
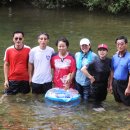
x=30, y=112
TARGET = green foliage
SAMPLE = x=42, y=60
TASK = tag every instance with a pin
x=55, y=3
x=111, y=6
x=119, y=6
x=92, y=4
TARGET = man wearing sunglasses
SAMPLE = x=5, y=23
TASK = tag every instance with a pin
x=16, y=66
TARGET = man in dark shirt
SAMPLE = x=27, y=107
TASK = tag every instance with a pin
x=98, y=72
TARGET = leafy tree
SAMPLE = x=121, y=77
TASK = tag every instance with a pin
x=111, y=6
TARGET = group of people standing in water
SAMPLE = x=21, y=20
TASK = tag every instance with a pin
x=92, y=75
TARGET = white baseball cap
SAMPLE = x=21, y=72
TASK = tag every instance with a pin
x=84, y=41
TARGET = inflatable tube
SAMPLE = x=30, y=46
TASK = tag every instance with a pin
x=61, y=95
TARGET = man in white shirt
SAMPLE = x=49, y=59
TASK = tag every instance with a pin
x=39, y=65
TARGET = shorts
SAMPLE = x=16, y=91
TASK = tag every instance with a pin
x=119, y=87
x=41, y=88
x=17, y=87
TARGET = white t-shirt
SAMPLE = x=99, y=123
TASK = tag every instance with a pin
x=41, y=60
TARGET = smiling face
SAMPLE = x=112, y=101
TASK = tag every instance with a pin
x=62, y=48
x=18, y=40
x=85, y=48
x=102, y=52
x=43, y=40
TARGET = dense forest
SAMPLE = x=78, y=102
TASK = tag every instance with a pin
x=110, y=6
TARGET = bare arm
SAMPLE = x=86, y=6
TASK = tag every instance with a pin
x=72, y=75
x=30, y=71
x=110, y=82
x=86, y=73
x=69, y=80
x=6, y=71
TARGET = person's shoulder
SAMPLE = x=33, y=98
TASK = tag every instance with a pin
x=108, y=59
x=26, y=46
x=10, y=47
x=96, y=59
x=77, y=53
x=54, y=54
x=35, y=48
x=50, y=48
x=128, y=53
x=94, y=54
x=115, y=55
x=71, y=54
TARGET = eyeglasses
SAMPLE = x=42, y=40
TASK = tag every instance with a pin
x=18, y=38
x=42, y=38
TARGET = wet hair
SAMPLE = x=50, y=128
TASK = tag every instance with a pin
x=122, y=37
x=63, y=39
x=43, y=33
x=18, y=32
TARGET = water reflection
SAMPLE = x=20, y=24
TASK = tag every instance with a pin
x=10, y=12
x=32, y=113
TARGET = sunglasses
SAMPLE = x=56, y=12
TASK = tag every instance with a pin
x=18, y=38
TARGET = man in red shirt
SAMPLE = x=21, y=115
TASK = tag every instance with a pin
x=16, y=66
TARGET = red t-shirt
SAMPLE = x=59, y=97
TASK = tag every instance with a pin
x=18, y=63
x=62, y=67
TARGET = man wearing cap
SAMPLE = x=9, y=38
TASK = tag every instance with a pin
x=84, y=57
x=120, y=74
x=98, y=72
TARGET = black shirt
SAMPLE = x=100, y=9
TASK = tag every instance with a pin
x=100, y=69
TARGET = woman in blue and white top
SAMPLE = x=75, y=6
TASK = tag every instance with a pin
x=83, y=57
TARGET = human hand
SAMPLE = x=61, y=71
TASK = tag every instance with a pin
x=127, y=91
x=109, y=88
x=92, y=79
x=68, y=79
x=30, y=82
x=66, y=87
x=6, y=84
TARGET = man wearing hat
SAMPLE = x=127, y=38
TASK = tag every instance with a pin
x=98, y=72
